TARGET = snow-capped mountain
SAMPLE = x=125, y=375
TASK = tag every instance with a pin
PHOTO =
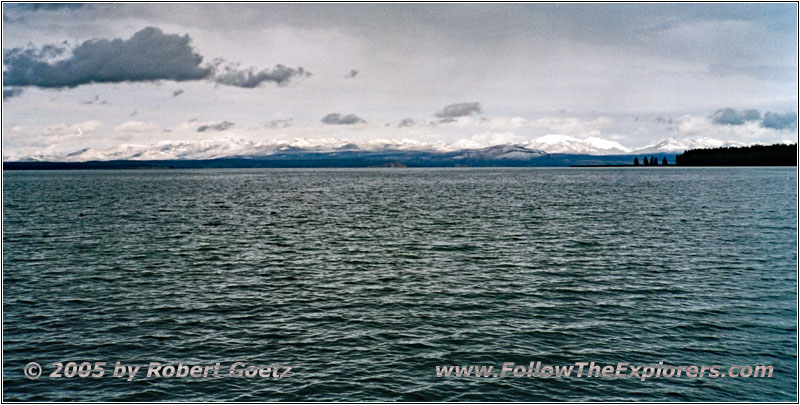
x=568, y=144
x=510, y=152
x=675, y=145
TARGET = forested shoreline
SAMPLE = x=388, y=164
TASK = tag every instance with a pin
x=754, y=155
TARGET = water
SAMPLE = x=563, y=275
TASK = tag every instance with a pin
x=365, y=280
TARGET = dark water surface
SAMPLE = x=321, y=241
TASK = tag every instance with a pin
x=365, y=280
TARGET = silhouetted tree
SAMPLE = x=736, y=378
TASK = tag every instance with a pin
x=654, y=161
x=646, y=162
x=664, y=162
x=636, y=161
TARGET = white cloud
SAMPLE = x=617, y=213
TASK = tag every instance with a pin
x=136, y=127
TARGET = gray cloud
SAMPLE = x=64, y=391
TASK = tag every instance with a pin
x=251, y=78
x=149, y=55
x=280, y=123
x=16, y=12
x=177, y=93
x=452, y=111
x=353, y=73
x=339, y=119
x=407, y=122
x=780, y=121
x=44, y=6
x=729, y=116
x=215, y=127
x=11, y=92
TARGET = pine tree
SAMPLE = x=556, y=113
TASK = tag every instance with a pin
x=636, y=161
x=646, y=162
x=664, y=162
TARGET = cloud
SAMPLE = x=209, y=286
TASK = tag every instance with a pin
x=136, y=127
x=729, y=116
x=45, y=6
x=353, y=73
x=215, y=127
x=772, y=120
x=280, y=123
x=251, y=78
x=406, y=122
x=11, y=92
x=780, y=121
x=450, y=112
x=177, y=93
x=339, y=119
x=149, y=55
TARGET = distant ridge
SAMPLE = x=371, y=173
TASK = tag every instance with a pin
x=242, y=148
x=496, y=156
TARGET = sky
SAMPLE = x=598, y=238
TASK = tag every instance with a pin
x=99, y=76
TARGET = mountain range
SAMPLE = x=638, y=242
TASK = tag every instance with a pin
x=241, y=148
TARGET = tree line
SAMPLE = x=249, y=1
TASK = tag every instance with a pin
x=755, y=155
x=653, y=161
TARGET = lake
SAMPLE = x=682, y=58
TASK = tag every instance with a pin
x=365, y=280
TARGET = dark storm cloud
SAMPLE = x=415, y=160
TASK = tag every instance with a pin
x=215, y=127
x=729, y=116
x=251, y=78
x=11, y=92
x=339, y=119
x=452, y=111
x=177, y=93
x=780, y=121
x=353, y=73
x=148, y=55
